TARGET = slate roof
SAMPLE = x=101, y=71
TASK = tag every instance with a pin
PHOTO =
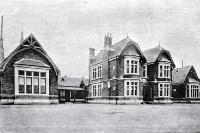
x=153, y=54
x=117, y=49
x=179, y=74
x=71, y=81
x=31, y=62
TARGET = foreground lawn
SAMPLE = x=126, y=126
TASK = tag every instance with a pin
x=99, y=118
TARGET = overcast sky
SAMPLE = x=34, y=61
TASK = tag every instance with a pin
x=68, y=28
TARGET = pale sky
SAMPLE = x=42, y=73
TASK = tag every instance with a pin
x=68, y=28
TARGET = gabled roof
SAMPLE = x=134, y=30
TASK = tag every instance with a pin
x=153, y=54
x=179, y=75
x=98, y=58
x=117, y=49
x=31, y=62
x=72, y=82
x=29, y=42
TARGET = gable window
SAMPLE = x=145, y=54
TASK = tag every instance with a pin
x=164, y=89
x=131, y=66
x=144, y=71
x=164, y=71
x=131, y=88
x=97, y=90
x=96, y=72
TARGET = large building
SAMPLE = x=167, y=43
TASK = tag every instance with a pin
x=28, y=75
x=121, y=73
x=115, y=73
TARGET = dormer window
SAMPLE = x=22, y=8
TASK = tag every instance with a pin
x=164, y=70
x=131, y=66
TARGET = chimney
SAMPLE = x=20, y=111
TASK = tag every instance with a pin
x=1, y=42
x=92, y=53
x=22, y=37
x=108, y=41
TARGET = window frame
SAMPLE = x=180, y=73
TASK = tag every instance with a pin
x=144, y=71
x=192, y=90
x=31, y=69
x=97, y=90
x=128, y=67
x=166, y=89
x=164, y=68
x=96, y=72
x=133, y=88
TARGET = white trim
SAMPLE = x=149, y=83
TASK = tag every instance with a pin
x=131, y=87
x=98, y=89
x=144, y=70
x=32, y=69
x=168, y=71
x=165, y=89
x=193, y=91
x=131, y=66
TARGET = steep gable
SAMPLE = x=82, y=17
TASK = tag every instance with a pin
x=156, y=54
x=28, y=43
x=183, y=74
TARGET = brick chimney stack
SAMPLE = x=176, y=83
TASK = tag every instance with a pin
x=108, y=41
x=92, y=53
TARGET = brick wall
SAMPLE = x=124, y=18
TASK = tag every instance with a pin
x=8, y=75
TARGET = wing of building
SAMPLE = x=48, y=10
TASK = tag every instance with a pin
x=28, y=75
x=185, y=84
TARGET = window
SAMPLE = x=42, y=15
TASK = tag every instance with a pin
x=97, y=90
x=164, y=89
x=96, y=72
x=131, y=66
x=131, y=88
x=192, y=91
x=32, y=82
x=144, y=71
x=164, y=71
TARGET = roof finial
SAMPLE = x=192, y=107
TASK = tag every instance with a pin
x=22, y=37
x=126, y=35
x=1, y=27
x=159, y=44
x=182, y=63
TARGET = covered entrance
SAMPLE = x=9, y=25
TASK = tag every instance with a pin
x=72, y=94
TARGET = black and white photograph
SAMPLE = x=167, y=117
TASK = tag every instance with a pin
x=94, y=66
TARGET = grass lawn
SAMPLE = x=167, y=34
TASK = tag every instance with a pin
x=99, y=118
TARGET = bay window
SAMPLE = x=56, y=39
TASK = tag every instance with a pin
x=164, y=70
x=131, y=65
x=192, y=91
x=163, y=89
x=131, y=88
x=96, y=72
x=31, y=81
x=97, y=90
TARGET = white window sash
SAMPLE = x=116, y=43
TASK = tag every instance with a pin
x=165, y=70
x=131, y=65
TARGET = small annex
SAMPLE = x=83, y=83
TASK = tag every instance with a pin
x=185, y=84
x=28, y=75
x=72, y=89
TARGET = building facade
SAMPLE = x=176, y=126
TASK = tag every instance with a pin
x=185, y=85
x=157, y=75
x=115, y=73
x=28, y=75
